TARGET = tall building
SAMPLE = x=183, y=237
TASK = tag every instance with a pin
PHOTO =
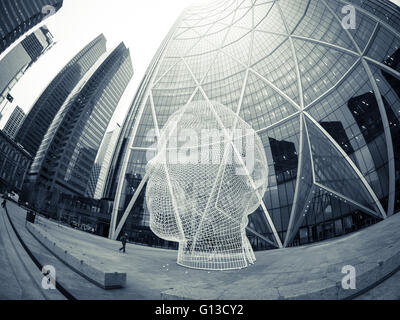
x=14, y=164
x=291, y=71
x=38, y=41
x=14, y=122
x=94, y=177
x=18, y=17
x=53, y=97
x=337, y=131
x=21, y=57
x=96, y=186
x=285, y=160
x=68, y=151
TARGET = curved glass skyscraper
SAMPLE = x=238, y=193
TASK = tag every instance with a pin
x=323, y=95
x=41, y=115
x=66, y=156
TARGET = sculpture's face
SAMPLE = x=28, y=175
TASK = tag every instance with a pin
x=199, y=190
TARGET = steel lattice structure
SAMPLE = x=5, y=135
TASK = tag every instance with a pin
x=201, y=191
x=323, y=99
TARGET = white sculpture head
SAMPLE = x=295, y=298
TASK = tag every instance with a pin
x=210, y=172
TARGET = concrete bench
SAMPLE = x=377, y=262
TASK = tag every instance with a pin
x=104, y=279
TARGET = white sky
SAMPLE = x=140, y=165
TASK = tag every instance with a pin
x=142, y=25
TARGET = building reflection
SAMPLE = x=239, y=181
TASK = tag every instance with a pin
x=393, y=61
x=285, y=160
x=337, y=132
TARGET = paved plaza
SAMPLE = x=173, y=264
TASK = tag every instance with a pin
x=309, y=272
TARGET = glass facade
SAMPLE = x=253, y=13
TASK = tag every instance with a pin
x=100, y=171
x=14, y=164
x=53, y=97
x=18, y=60
x=19, y=16
x=14, y=122
x=325, y=101
x=67, y=154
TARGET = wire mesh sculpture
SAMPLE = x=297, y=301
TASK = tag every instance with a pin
x=209, y=173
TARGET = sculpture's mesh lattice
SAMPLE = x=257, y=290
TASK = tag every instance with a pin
x=202, y=199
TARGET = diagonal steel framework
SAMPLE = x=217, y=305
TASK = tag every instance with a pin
x=388, y=135
x=351, y=163
x=301, y=108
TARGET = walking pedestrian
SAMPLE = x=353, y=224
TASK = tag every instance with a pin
x=124, y=240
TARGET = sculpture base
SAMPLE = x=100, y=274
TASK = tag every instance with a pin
x=216, y=260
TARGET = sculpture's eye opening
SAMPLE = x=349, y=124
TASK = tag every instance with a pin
x=202, y=181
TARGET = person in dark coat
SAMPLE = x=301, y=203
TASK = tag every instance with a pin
x=3, y=204
x=124, y=240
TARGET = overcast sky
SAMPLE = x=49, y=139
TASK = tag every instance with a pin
x=141, y=24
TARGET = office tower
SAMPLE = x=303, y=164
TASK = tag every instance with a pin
x=337, y=131
x=18, y=17
x=14, y=164
x=285, y=159
x=14, y=122
x=68, y=151
x=101, y=168
x=35, y=43
x=22, y=57
x=53, y=97
x=92, y=183
x=290, y=70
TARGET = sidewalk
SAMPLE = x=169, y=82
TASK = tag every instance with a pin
x=308, y=272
